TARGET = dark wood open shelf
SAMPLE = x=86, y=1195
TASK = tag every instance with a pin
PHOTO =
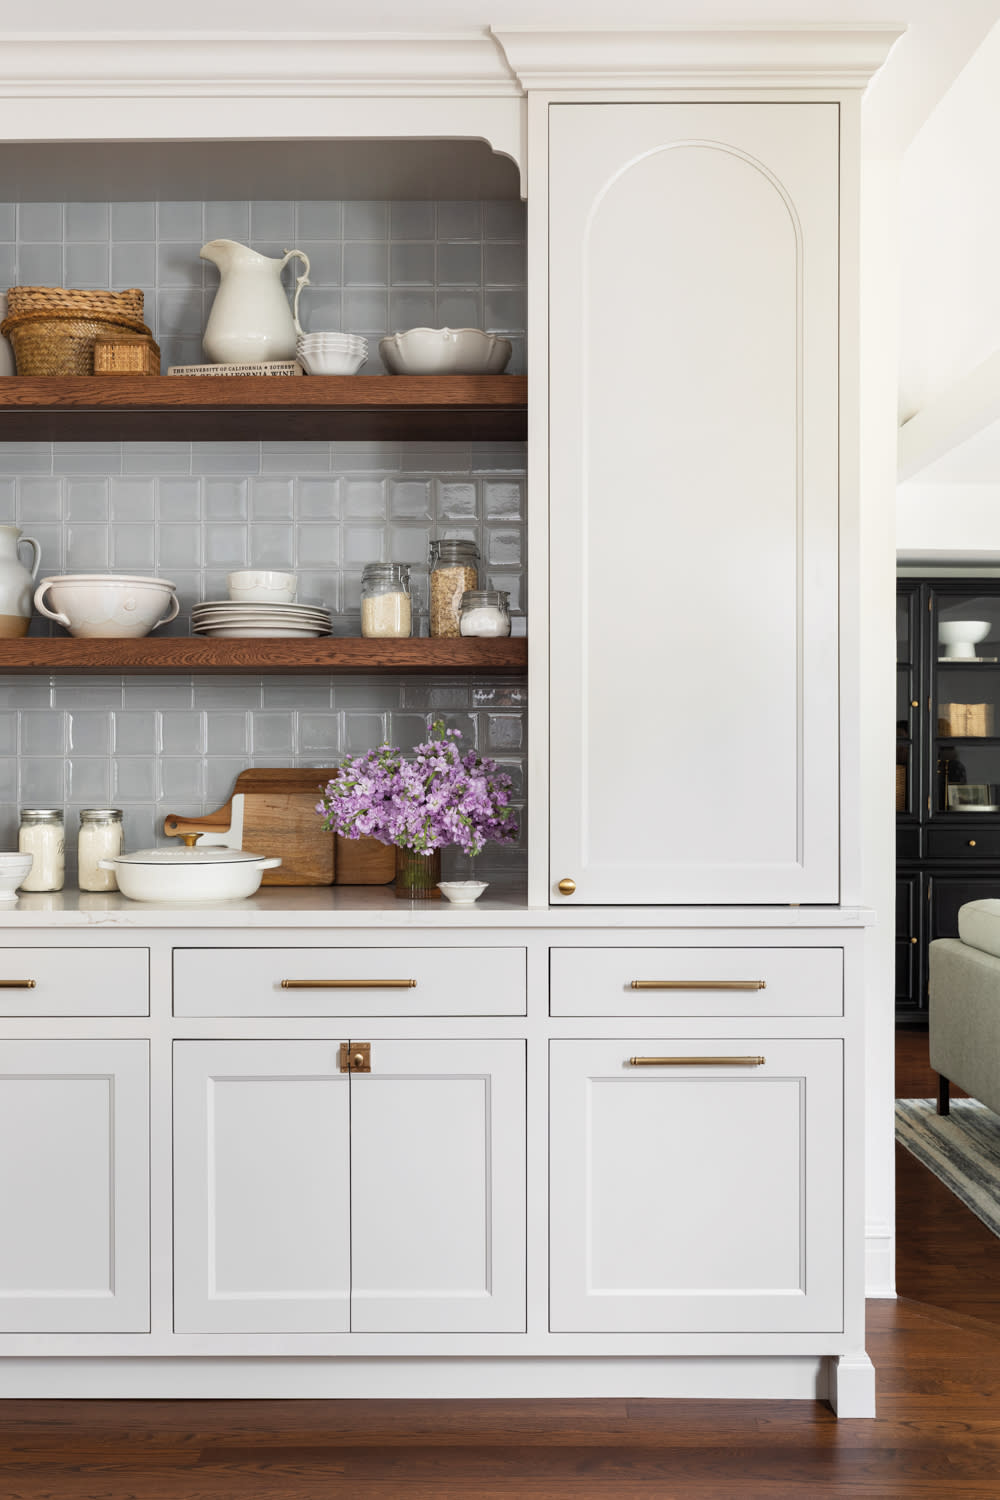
x=182, y=654
x=147, y=408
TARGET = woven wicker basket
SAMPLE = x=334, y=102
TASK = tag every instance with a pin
x=52, y=343
x=124, y=306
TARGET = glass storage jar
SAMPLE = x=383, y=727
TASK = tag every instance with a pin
x=42, y=835
x=385, y=600
x=485, y=612
x=101, y=837
x=454, y=570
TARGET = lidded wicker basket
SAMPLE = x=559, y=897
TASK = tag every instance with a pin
x=52, y=329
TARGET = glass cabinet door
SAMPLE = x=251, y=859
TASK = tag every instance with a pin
x=965, y=709
x=907, y=700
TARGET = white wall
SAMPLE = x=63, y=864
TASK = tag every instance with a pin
x=950, y=235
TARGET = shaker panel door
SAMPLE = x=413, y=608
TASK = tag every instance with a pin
x=74, y=1186
x=437, y=1188
x=694, y=502
x=261, y=1188
x=703, y=1198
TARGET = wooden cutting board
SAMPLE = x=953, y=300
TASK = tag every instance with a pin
x=279, y=819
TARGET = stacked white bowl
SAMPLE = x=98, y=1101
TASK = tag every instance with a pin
x=331, y=353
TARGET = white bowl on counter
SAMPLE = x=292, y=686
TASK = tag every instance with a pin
x=444, y=351
x=189, y=874
x=14, y=868
x=112, y=606
x=462, y=892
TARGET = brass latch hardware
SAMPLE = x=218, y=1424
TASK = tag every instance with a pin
x=355, y=1057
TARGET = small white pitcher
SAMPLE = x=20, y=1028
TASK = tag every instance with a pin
x=17, y=583
x=250, y=318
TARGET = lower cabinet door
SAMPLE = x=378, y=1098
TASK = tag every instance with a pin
x=74, y=1186
x=261, y=1188
x=696, y=1197
x=438, y=1188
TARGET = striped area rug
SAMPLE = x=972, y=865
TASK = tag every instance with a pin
x=962, y=1149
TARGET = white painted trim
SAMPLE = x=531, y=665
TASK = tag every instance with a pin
x=704, y=57
x=961, y=411
x=769, y=1379
x=880, y=1261
x=852, y=1385
x=263, y=67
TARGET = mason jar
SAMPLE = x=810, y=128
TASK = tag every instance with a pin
x=385, y=600
x=43, y=836
x=101, y=836
x=454, y=571
x=485, y=612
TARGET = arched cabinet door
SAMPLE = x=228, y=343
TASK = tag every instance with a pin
x=694, y=502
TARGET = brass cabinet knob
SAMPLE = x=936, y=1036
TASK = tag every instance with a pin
x=914, y=940
x=914, y=703
x=566, y=886
x=972, y=843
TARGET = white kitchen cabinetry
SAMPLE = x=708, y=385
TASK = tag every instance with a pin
x=37, y=981
x=681, y=1203
x=74, y=1185
x=310, y=1200
x=693, y=410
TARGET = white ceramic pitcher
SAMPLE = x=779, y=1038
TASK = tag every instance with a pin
x=17, y=583
x=250, y=317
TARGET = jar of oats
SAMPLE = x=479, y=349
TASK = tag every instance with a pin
x=454, y=570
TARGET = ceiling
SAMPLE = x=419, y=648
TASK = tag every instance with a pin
x=940, y=37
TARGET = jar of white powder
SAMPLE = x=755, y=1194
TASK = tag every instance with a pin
x=485, y=612
x=100, y=837
x=385, y=600
x=42, y=835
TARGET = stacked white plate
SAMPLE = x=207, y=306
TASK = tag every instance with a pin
x=228, y=618
x=331, y=353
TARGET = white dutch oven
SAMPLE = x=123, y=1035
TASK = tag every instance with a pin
x=189, y=874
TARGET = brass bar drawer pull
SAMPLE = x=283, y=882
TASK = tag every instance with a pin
x=348, y=984
x=17, y=984
x=696, y=1062
x=699, y=984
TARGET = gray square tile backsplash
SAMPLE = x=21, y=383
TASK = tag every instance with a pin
x=193, y=512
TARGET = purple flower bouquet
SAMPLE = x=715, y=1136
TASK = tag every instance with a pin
x=439, y=797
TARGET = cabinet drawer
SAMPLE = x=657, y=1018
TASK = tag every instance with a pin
x=963, y=843
x=350, y=982
x=697, y=981
x=74, y=981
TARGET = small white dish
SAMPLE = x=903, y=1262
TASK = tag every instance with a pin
x=462, y=892
x=262, y=586
x=330, y=362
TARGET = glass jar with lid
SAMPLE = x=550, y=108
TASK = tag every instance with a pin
x=385, y=600
x=485, y=612
x=43, y=836
x=454, y=571
x=101, y=837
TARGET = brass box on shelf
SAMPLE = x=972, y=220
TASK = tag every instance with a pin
x=967, y=720
x=126, y=354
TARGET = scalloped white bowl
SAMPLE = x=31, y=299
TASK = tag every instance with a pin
x=462, y=892
x=444, y=351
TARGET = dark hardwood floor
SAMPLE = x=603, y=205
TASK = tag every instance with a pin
x=936, y=1349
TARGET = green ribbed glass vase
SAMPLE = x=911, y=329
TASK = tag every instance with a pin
x=417, y=875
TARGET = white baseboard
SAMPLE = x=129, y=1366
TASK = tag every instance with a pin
x=770, y=1379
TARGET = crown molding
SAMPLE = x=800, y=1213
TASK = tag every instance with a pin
x=697, y=57
x=198, y=66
